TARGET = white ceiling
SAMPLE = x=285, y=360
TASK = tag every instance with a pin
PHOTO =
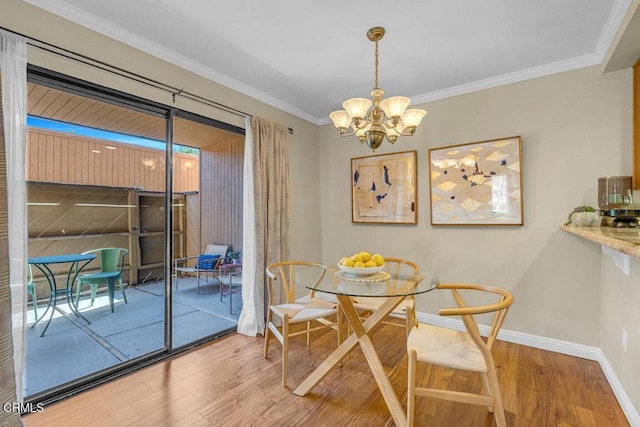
x=306, y=57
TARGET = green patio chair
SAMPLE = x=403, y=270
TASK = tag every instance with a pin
x=112, y=263
x=31, y=288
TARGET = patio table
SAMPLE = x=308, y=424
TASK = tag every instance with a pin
x=76, y=263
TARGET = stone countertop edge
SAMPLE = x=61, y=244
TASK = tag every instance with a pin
x=625, y=240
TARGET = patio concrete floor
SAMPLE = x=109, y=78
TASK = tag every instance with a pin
x=71, y=348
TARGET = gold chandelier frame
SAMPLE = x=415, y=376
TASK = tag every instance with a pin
x=388, y=118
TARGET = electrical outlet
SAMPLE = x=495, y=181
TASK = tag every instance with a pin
x=624, y=339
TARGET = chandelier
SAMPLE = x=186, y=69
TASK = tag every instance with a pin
x=388, y=118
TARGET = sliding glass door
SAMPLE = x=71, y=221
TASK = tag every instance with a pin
x=207, y=196
x=96, y=185
x=114, y=197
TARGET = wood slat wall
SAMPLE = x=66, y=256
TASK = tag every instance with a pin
x=60, y=221
x=192, y=226
x=53, y=104
x=69, y=159
x=221, y=168
x=66, y=218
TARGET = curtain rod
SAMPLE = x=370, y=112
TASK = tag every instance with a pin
x=78, y=57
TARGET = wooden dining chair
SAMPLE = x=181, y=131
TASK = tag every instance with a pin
x=405, y=311
x=460, y=350
x=314, y=313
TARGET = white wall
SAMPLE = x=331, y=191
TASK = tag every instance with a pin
x=620, y=302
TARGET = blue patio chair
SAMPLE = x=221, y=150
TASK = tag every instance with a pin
x=112, y=263
x=207, y=264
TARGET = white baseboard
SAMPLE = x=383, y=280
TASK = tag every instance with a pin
x=551, y=344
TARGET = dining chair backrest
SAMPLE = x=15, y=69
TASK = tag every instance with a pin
x=406, y=309
x=467, y=313
x=398, y=265
x=284, y=271
x=111, y=259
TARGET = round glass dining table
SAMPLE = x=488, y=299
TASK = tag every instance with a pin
x=394, y=288
x=381, y=284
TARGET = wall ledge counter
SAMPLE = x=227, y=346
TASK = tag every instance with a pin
x=625, y=240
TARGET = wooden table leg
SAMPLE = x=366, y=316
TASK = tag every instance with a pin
x=360, y=336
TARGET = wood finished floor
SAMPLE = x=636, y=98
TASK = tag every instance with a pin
x=229, y=383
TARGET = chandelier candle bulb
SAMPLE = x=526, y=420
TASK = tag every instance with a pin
x=388, y=118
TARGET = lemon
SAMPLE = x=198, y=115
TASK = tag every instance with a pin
x=370, y=263
x=357, y=258
x=379, y=259
x=347, y=262
x=359, y=264
x=366, y=256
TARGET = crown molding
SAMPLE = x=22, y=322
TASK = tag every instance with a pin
x=611, y=27
x=101, y=26
x=115, y=32
x=517, y=76
x=505, y=79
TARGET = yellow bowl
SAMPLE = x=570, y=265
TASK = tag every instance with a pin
x=360, y=271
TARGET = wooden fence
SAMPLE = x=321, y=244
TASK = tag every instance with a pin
x=66, y=219
x=83, y=195
x=70, y=159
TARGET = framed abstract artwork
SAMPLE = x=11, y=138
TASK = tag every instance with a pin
x=384, y=188
x=479, y=183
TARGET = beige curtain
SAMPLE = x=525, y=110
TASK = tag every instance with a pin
x=7, y=371
x=266, y=229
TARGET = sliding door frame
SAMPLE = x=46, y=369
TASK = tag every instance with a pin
x=56, y=80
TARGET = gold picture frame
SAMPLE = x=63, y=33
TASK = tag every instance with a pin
x=384, y=188
x=479, y=183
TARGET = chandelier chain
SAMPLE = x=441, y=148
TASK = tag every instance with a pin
x=375, y=85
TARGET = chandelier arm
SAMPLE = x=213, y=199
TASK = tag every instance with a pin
x=405, y=134
x=388, y=126
x=349, y=134
x=363, y=122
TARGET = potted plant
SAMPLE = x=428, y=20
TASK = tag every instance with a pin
x=583, y=216
x=235, y=256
